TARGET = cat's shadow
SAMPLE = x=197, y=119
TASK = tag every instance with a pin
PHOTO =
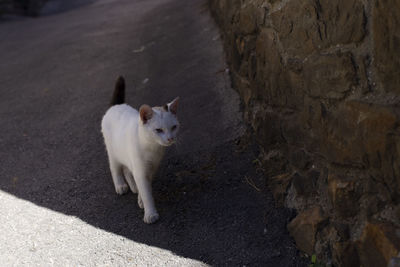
x=207, y=210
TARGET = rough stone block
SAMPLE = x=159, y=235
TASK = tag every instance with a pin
x=247, y=20
x=341, y=21
x=359, y=133
x=344, y=196
x=386, y=36
x=304, y=227
x=345, y=254
x=307, y=26
x=329, y=76
x=378, y=244
x=297, y=27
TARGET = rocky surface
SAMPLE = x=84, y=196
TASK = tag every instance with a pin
x=320, y=85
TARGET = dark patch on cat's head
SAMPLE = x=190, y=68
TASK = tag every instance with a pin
x=165, y=107
x=146, y=113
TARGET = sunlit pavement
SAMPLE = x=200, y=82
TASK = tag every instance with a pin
x=35, y=236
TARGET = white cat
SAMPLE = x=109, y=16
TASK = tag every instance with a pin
x=135, y=142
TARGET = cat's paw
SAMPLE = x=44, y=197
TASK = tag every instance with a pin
x=151, y=218
x=121, y=189
x=140, y=202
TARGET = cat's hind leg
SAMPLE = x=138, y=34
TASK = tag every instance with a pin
x=131, y=181
x=116, y=172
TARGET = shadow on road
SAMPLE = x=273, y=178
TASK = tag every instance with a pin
x=213, y=204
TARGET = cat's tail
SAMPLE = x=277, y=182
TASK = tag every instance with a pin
x=119, y=92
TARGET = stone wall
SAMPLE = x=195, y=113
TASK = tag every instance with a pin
x=320, y=84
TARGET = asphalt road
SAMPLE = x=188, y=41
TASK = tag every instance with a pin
x=58, y=204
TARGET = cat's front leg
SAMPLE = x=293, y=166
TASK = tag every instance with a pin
x=116, y=172
x=145, y=194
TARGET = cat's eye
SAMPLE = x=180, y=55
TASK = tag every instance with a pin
x=159, y=130
x=174, y=128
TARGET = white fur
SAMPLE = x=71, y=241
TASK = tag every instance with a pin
x=135, y=150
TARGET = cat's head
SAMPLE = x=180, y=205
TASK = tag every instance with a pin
x=161, y=123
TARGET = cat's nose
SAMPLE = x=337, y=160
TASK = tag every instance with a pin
x=170, y=140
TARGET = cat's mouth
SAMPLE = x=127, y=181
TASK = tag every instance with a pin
x=169, y=143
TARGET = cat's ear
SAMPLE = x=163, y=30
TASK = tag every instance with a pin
x=173, y=106
x=146, y=113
